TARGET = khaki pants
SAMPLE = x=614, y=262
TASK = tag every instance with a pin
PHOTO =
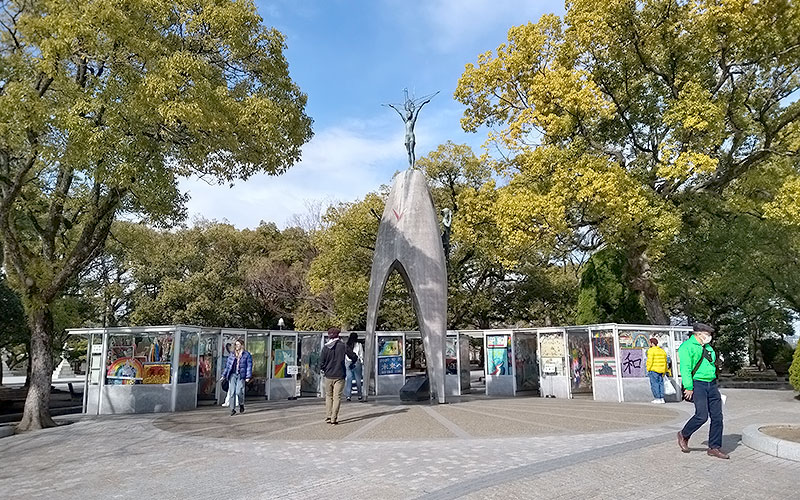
x=333, y=397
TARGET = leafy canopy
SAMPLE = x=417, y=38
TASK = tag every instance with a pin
x=618, y=114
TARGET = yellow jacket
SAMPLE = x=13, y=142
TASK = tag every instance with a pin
x=656, y=360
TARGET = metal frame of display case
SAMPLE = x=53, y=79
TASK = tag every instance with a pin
x=286, y=387
x=130, y=394
x=627, y=388
x=387, y=384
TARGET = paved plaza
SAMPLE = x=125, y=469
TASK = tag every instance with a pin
x=476, y=447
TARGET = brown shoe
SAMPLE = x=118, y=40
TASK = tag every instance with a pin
x=716, y=452
x=683, y=443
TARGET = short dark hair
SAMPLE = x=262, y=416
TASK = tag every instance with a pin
x=334, y=332
x=654, y=341
x=702, y=327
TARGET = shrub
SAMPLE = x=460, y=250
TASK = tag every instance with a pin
x=794, y=370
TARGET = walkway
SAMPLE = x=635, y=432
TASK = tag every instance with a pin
x=475, y=448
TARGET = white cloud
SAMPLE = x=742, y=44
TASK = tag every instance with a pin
x=341, y=163
x=454, y=23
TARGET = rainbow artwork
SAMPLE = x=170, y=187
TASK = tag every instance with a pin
x=124, y=371
x=282, y=358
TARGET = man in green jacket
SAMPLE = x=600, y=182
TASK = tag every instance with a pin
x=701, y=388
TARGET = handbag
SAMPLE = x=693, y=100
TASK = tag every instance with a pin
x=225, y=385
x=669, y=389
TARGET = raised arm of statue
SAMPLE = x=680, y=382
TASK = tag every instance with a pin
x=397, y=110
x=426, y=101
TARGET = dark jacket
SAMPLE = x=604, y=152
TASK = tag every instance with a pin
x=332, y=360
x=245, y=366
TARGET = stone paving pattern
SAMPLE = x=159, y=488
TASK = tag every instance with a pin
x=475, y=448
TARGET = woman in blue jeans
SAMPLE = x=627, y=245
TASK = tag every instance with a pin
x=354, y=369
x=238, y=371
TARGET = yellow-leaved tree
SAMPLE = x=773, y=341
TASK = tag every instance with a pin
x=104, y=104
x=622, y=113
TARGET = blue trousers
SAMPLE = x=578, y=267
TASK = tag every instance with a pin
x=354, y=374
x=707, y=402
x=656, y=384
x=236, y=389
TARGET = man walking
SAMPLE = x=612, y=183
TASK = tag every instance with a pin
x=656, y=368
x=332, y=364
x=699, y=375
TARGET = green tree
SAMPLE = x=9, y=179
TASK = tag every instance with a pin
x=103, y=105
x=638, y=109
x=604, y=295
x=794, y=370
x=13, y=328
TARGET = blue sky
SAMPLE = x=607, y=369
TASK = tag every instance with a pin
x=349, y=57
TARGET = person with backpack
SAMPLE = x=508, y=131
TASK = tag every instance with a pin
x=354, y=368
x=333, y=368
x=699, y=376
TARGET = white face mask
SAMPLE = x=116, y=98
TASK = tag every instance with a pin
x=705, y=339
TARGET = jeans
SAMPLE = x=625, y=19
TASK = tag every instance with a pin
x=707, y=402
x=333, y=397
x=236, y=390
x=656, y=384
x=354, y=374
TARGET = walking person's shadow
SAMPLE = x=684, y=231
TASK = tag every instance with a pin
x=729, y=443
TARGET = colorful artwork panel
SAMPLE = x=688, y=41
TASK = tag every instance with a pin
x=605, y=367
x=389, y=346
x=390, y=365
x=641, y=340
x=580, y=366
x=125, y=369
x=450, y=358
x=603, y=345
x=632, y=363
x=283, y=357
x=497, y=361
x=156, y=373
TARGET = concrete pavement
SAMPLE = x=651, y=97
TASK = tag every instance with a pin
x=476, y=448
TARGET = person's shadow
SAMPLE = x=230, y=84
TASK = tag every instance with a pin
x=729, y=443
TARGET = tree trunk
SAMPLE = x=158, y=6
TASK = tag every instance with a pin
x=37, y=403
x=642, y=281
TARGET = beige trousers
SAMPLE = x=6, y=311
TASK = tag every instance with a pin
x=333, y=397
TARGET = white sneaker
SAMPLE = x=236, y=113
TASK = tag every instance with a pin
x=661, y=401
x=655, y=401
x=225, y=405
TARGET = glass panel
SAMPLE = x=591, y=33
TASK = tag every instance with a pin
x=207, y=387
x=580, y=372
x=96, y=360
x=390, y=355
x=415, y=355
x=187, y=360
x=257, y=346
x=526, y=367
x=451, y=356
x=552, y=353
x=283, y=355
x=498, y=350
x=310, y=352
x=605, y=362
x=141, y=358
